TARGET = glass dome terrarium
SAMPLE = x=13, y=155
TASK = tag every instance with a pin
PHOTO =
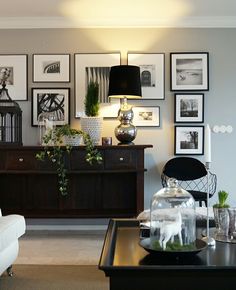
x=172, y=219
x=46, y=124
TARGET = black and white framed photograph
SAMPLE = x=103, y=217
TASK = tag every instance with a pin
x=189, y=108
x=51, y=68
x=146, y=116
x=16, y=67
x=189, y=71
x=189, y=140
x=95, y=67
x=57, y=101
x=152, y=73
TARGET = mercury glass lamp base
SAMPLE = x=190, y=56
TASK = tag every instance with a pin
x=210, y=241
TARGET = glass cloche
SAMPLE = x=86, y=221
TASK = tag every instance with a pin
x=46, y=124
x=172, y=219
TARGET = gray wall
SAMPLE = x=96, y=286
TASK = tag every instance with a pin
x=220, y=100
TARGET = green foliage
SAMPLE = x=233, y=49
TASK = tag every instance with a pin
x=222, y=198
x=176, y=246
x=91, y=102
x=55, y=153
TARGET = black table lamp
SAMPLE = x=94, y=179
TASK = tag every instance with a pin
x=124, y=83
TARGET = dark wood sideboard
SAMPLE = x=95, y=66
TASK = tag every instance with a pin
x=114, y=188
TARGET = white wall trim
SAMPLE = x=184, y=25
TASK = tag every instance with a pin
x=62, y=22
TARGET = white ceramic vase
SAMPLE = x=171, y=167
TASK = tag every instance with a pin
x=93, y=127
x=73, y=140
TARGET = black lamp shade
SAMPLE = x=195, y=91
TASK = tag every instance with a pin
x=125, y=81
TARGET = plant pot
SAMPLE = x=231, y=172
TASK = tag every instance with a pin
x=73, y=140
x=221, y=217
x=93, y=127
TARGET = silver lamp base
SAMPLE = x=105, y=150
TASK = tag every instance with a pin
x=125, y=132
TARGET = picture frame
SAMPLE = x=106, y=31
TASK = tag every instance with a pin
x=17, y=82
x=152, y=73
x=189, y=108
x=189, y=140
x=48, y=68
x=146, y=116
x=51, y=100
x=96, y=67
x=189, y=71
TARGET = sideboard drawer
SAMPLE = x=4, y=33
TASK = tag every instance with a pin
x=120, y=158
x=20, y=160
x=78, y=161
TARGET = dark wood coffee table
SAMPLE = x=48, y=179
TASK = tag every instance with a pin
x=130, y=267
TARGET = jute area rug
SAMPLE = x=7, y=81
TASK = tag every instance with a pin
x=54, y=277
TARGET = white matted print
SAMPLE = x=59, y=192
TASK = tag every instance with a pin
x=189, y=140
x=46, y=100
x=189, y=108
x=146, y=116
x=51, y=68
x=16, y=83
x=95, y=67
x=152, y=73
x=189, y=71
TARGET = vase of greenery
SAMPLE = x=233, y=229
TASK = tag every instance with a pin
x=221, y=214
x=55, y=150
x=92, y=123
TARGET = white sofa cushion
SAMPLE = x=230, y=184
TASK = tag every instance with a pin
x=11, y=228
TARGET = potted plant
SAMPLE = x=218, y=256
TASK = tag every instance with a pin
x=55, y=151
x=221, y=214
x=92, y=123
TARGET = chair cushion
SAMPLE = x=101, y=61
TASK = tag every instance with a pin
x=11, y=228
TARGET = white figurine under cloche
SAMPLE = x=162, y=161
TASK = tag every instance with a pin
x=172, y=219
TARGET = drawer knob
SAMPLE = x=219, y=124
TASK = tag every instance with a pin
x=121, y=158
x=21, y=159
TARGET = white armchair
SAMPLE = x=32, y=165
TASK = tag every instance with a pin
x=11, y=228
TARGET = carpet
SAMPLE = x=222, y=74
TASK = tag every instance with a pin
x=49, y=277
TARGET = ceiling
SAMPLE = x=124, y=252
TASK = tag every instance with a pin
x=113, y=13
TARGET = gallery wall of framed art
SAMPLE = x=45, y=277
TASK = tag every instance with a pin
x=189, y=75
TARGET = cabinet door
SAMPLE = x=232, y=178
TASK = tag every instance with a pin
x=78, y=161
x=85, y=192
x=12, y=188
x=42, y=192
x=119, y=193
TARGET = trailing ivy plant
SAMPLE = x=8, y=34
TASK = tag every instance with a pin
x=55, y=153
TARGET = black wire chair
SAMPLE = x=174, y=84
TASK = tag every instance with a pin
x=192, y=176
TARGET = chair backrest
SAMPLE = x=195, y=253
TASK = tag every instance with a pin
x=191, y=174
x=184, y=168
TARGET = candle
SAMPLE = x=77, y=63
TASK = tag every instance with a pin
x=207, y=143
